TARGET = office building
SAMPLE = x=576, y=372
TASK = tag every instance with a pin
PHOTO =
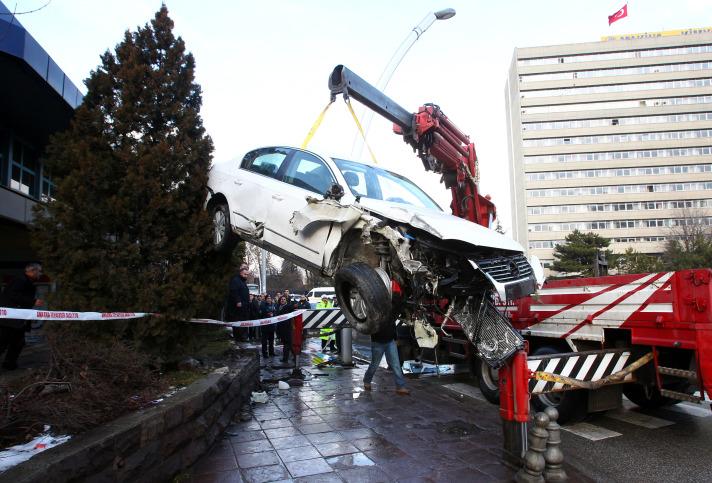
x=612, y=137
x=36, y=100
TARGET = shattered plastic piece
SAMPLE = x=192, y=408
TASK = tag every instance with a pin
x=222, y=370
x=22, y=452
x=325, y=211
x=425, y=335
x=259, y=397
x=283, y=385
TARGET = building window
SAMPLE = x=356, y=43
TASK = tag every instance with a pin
x=25, y=169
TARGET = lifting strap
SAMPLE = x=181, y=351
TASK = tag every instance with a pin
x=319, y=119
x=316, y=125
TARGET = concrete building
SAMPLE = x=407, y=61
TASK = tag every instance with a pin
x=613, y=137
x=36, y=100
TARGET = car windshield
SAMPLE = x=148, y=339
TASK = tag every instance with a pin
x=378, y=184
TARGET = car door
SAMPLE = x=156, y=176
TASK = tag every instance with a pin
x=305, y=175
x=255, y=183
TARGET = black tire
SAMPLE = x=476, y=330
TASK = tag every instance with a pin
x=363, y=297
x=648, y=396
x=487, y=380
x=224, y=240
x=572, y=405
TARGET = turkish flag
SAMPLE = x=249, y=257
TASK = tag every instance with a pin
x=623, y=12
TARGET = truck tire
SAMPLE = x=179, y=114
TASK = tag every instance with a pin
x=363, y=297
x=224, y=240
x=487, y=380
x=649, y=396
x=572, y=405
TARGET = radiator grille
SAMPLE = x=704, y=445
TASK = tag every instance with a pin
x=490, y=332
x=506, y=269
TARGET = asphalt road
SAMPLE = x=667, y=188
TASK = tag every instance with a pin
x=630, y=444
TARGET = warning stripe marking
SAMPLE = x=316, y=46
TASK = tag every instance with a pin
x=584, y=367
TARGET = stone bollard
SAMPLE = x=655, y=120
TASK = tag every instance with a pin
x=553, y=455
x=534, y=463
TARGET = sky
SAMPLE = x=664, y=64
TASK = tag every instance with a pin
x=264, y=65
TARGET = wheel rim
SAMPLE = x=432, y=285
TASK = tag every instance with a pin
x=489, y=376
x=219, y=226
x=358, y=306
x=552, y=399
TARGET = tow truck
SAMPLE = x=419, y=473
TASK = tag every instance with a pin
x=589, y=340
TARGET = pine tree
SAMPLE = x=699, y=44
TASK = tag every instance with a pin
x=578, y=253
x=127, y=231
x=632, y=261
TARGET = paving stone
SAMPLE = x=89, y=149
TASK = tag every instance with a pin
x=345, y=424
x=308, y=467
x=320, y=438
x=269, y=416
x=497, y=470
x=212, y=465
x=300, y=420
x=282, y=432
x=275, y=423
x=382, y=455
x=290, y=442
x=262, y=474
x=320, y=478
x=352, y=434
x=336, y=448
x=252, y=425
x=233, y=476
x=252, y=446
x=248, y=436
x=368, y=444
x=298, y=453
x=315, y=428
x=370, y=474
x=251, y=460
x=402, y=467
x=348, y=461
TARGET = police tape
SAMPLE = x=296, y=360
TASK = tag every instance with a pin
x=32, y=314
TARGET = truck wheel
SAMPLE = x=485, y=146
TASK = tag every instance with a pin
x=648, y=396
x=363, y=297
x=487, y=380
x=224, y=240
x=572, y=405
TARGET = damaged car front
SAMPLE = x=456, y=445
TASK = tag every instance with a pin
x=391, y=250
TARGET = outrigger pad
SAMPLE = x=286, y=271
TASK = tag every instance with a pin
x=490, y=331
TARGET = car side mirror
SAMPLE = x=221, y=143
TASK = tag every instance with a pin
x=335, y=192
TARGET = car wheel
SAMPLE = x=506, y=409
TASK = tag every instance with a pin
x=224, y=240
x=487, y=380
x=363, y=297
x=572, y=405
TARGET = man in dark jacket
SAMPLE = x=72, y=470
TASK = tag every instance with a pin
x=20, y=294
x=384, y=342
x=238, y=299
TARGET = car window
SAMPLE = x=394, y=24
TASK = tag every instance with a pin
x=309, y=172
x=265, y=161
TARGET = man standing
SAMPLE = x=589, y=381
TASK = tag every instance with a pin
x=20, y=294
x=238, y=299
x=326, y=334
x=384, y=342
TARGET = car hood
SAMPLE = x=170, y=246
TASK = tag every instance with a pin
x=442, y=225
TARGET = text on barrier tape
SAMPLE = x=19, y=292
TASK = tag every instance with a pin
x=32, y=314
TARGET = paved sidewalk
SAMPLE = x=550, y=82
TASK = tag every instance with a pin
x=331, y=430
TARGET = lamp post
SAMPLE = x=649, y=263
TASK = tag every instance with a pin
x=393, y=64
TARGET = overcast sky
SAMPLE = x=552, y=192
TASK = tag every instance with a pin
x=263, y=65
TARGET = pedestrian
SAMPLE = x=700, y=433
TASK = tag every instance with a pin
x=238, y=300
x=384, y=342
x=20, y=294
x=267, y=309
x=326, y=334
x=285, y=328
x=303, y=303
x=253, y=332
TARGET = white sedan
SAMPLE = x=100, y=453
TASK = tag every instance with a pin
x=390, y=249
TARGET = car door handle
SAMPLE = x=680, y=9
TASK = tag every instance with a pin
x=277, y=197
x=239, y=183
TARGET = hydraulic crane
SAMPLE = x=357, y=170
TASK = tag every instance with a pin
x=440, y=145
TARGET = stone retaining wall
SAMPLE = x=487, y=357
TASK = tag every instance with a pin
x=150, y=445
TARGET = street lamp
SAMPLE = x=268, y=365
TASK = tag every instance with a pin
x=393, y=64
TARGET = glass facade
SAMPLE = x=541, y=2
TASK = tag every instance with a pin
x=629, y=54
x=620, y=121
x=607, y=89
x=601, y=105
x=613, y=155
x=620, y=172
x=619, y=138
x=619, y=189
x=607, y=207
x=587, y=74
x=22, y=170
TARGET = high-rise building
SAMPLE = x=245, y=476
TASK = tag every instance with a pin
x=612, y=137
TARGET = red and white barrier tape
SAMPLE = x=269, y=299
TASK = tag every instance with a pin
x=32, y=314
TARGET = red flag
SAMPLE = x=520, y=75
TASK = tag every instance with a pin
x=623, y=12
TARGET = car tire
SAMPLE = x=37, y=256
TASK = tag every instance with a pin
x=572, y=405
x=487, y=380
x=224, y=240
x=363, y=297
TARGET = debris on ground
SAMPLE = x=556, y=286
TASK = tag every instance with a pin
x=259, y=397
x=15, y=455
